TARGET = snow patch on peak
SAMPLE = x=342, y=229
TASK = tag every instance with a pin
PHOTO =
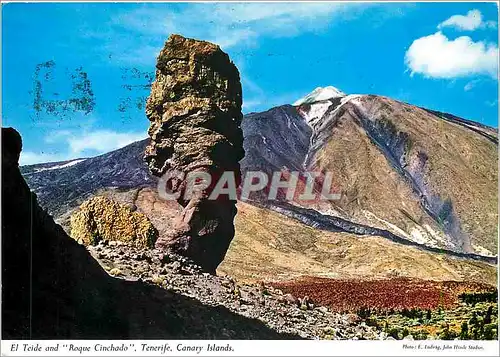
x=316, y=112
x=320, y=94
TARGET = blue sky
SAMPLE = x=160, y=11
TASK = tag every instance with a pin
x=75, y=75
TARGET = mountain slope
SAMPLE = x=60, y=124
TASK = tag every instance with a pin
x=270, y=246
x=407, y=170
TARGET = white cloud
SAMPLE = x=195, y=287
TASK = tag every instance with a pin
x=470, y=85
x=472, y=21
x=136, y=36
x=77, y=145
x=231, y=24
x=437, y=56
x=250, y=104
x=30, y=157
x=102, y=141
x=57, y=135
x=491, y=24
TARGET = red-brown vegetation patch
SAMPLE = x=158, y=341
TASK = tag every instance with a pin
x=396, y=294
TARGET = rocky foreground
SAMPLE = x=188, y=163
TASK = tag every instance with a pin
x=283, y=313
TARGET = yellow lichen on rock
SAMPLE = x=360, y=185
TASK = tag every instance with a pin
x=101, y=218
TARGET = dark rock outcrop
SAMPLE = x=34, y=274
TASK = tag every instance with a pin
x=50, y=284
x=195, y=114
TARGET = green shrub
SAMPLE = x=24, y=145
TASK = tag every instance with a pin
x=474, y=298
x=394, y=332
x=422, y=335
x=490, y=332
x=405, y=332
x=372, y=322
x=487, y=317
x=464, y=333
x=447, y=334
x=364, y=313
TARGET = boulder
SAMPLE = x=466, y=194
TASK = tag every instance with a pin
x=101, y=218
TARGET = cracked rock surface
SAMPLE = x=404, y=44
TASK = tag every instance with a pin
x=195, y=114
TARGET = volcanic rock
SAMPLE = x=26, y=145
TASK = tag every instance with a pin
x=195, y=114
x=100, y=218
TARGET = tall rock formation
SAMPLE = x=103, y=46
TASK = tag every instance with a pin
x=195, y=114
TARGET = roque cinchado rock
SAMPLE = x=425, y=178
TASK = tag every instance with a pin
x=195, y=114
